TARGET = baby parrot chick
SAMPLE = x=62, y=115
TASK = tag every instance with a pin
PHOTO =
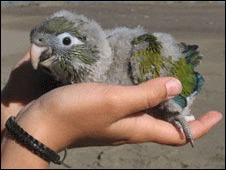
x=76, y=49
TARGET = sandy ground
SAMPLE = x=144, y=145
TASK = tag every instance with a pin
x=203, y=24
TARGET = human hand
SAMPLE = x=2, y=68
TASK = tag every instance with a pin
x=24, y=85
x=89, y=114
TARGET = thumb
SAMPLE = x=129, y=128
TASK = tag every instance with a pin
x=161, y=89
x=131, y=99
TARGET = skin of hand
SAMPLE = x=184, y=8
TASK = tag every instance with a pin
x=88, y=114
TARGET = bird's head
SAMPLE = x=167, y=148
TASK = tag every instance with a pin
x=70, y=47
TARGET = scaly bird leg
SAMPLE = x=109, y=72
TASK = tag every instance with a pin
x=180, y=122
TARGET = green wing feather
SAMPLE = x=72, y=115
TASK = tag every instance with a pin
x=150, y=58
x=151, y=61
x=185, y=73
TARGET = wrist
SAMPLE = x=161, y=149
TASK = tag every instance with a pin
x=14, y=153
x=11, y=109
x=13, y=145
x=45, y=126
x=37, y=126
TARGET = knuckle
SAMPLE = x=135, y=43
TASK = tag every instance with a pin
x=155, y=96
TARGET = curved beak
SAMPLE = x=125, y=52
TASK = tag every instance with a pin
x=36, y=52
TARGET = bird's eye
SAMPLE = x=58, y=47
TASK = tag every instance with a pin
x=66, y=41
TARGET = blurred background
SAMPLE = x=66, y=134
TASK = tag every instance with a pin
x=201, y=23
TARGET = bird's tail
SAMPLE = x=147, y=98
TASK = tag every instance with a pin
x=199, y=81
x=193, y=58
x=191, y=54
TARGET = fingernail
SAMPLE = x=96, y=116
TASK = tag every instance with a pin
x=173, y=88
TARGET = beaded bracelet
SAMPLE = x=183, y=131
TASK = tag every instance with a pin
x=33, y=144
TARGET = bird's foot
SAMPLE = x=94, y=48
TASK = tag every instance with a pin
x=178, y=120
x=182, y=125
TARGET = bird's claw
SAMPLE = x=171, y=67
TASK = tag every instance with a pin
x=183, y=126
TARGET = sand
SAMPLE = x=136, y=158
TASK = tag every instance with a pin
x=199, y=23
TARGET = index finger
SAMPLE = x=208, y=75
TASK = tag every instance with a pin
x=149, y=129
x=24, y=59
x=203, y=124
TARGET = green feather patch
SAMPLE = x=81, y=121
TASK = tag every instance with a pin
x=59, y=25
x=150, y=60
x=180, y=101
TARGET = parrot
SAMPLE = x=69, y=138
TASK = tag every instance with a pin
x=75, y=49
